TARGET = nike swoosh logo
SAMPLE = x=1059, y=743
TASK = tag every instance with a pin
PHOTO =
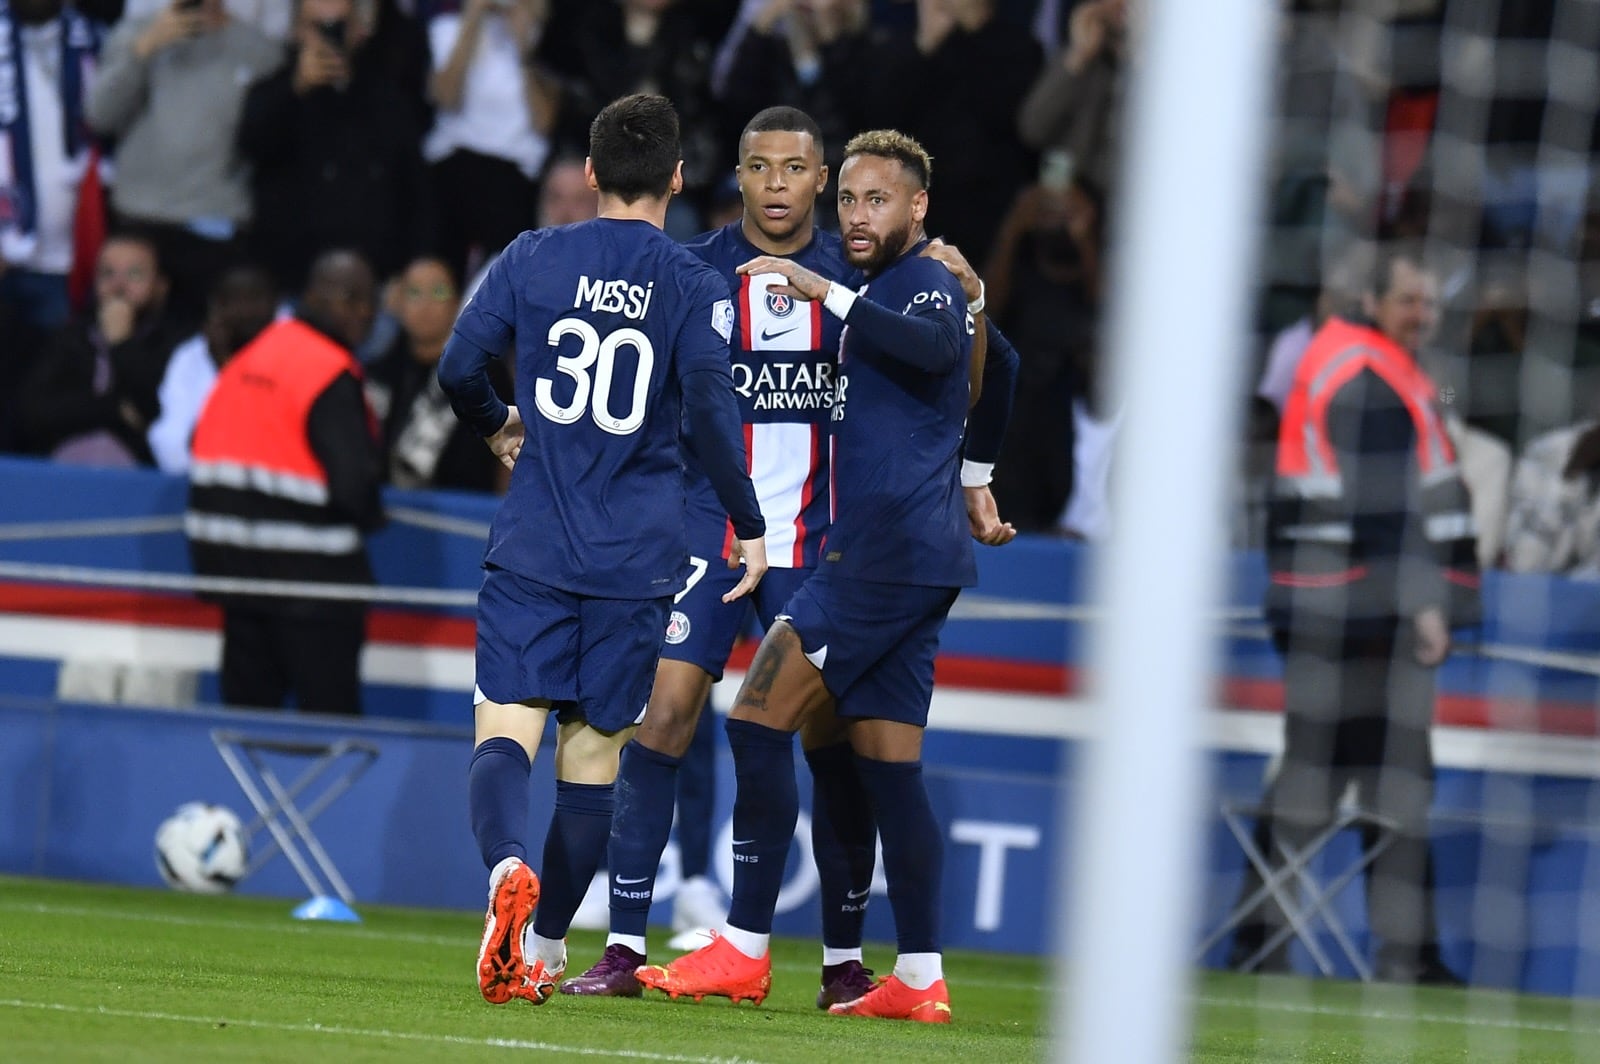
x=623, y=879
x=857, y=893
x=743, y=842
x=782, y=332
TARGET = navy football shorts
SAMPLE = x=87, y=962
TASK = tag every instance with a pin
x=702, y=628
x=875, y=643
x=594, y=658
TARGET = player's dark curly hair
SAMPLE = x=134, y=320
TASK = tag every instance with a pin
x=634, y=147
x=893, y=144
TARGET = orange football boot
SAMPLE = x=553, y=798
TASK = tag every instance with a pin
x=539, y=982
x=501, y=967
x=893, y=1000
x=715, y=970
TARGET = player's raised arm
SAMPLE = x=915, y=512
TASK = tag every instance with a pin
x=972, y=288
x=927, y=336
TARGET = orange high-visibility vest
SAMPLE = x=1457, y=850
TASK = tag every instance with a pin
x=258, y=498
x=1314, y=534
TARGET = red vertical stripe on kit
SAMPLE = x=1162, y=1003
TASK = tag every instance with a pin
x=807, y=493
x=744, y=313
x=833, y=491
x=816, y=328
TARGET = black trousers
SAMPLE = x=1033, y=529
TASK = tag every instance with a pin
x=1357, y=709
x=268, y=656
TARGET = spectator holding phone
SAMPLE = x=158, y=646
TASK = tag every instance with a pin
x=170, y=91
x=334, y=145
x=496, y=110
x=1076, y=104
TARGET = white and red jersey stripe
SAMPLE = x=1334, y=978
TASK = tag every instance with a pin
x=784, y=360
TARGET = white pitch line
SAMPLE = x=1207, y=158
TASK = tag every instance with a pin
x=364, y=1032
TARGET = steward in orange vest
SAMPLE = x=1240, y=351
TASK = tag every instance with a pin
x=261, y=501
x=283, y=485
x=1369, y=519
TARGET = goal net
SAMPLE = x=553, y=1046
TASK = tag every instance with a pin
x=1457, y=136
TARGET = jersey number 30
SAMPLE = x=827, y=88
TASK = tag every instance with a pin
x=598, y=357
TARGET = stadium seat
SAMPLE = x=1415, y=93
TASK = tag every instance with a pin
x=1305, y=902
x=278, y=812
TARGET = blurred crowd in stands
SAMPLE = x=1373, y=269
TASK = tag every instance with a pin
x=169, y=168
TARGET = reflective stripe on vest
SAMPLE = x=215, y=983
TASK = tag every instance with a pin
x=243, y=477
x=227, y=531
x=1308, y=466
x=251, y=433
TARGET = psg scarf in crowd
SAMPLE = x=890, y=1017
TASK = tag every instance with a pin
x=80, y=42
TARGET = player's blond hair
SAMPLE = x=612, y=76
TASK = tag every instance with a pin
x=893, y=144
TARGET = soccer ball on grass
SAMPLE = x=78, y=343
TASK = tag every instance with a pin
x=201, y=848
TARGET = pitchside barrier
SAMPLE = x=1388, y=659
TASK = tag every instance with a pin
x=107, y=691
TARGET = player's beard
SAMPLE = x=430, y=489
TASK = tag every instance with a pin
x=883, y=251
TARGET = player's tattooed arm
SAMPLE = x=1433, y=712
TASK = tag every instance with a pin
x=949, y=256
x=802, y=283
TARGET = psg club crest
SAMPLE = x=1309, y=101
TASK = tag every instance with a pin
x=780, y=305
x=677, y=628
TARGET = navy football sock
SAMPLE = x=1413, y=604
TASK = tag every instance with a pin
x=913, y=849
x=573, y=850
x=765, y=808
x=843, y=837
x=497, y=799
x=639, y=831
x=697, y=791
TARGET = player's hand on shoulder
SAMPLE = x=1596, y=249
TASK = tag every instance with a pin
x=949, y=256
x=803, y=283
x=984, y=518
x=753, y=552
x=507, y=443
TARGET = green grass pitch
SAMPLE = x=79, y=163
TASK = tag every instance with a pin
x=96, y=973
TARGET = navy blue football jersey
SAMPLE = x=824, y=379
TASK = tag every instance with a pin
x=785, y=357
x=899, y=516
x=608, y=316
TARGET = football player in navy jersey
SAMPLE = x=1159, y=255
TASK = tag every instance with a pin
x=785, y=361
x=909, y=492
x=620, y=337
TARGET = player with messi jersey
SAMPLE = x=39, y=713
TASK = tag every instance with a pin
x=621, y=336
x=909, y=489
